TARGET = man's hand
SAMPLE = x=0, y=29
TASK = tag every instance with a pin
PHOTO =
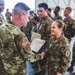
x=42, y=55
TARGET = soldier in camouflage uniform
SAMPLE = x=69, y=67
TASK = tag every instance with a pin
x=44, y=29
x=70, y=29
x=8, y=15
x=70, y=24
x=58, y=50
x=2, y=20
x=14, y=46
x=49, y=13
x=56, y=12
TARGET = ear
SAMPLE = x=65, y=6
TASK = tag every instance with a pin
x=22, y=15
x=46, y=10
x=61, y=29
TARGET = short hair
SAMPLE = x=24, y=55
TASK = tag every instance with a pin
x=44, y=5
x=36, y=18
x=49, y=9
x=69, y=8
x=58, y=8
x=20, y=7
x=31, y=12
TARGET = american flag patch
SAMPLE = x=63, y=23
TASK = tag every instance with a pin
x=24, y=43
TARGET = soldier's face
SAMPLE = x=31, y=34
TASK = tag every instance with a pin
x=1, y=5
x=41, y=12
x=54, y=29
x=24, y=18
x=55, y=11
x=66, y=12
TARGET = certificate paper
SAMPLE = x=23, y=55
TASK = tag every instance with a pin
x=37, y=44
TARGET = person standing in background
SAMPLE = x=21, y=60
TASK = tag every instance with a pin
x=8, y=15
x=70, y=24
x=56, y=13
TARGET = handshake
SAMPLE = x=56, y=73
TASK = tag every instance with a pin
x=40, y=56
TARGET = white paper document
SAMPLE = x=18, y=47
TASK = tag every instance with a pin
x=37, y=44
x=35, y=35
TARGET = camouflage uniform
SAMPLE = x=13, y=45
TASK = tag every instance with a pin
x=8, y=16
x=45, y=27
x=58, y=54
x=14, y=50
x=57, y=18
x=2, y=20
x=44, y=30
x=70, y=28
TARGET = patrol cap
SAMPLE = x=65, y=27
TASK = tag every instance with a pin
x=22, y=6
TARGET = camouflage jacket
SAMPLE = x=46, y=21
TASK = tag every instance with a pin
x=58, y=54
x=8, y=15
x=70, y=28
x=57, y=18
x=2, y=20
x=14, y=50
x=45, y=27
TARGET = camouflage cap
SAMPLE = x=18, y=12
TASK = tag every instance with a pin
x=22, y=6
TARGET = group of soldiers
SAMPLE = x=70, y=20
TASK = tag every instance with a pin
x=15, y=39
x=42, y=24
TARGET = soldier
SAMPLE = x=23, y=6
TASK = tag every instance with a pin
x=35, y=21
x=44, y=29
x=2, y=20
x=58, y=50
x=45, y=21
x=56, y=12
x=8, y=15
x=14, y=46
x=70, y=24
x=49, y=13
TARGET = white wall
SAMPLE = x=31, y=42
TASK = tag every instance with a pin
x=11, y=3
x=61, y=3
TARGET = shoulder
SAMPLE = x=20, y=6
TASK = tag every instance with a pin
x=10, y=27
x=71, y=21
x=49, y=20
x=64, y=42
